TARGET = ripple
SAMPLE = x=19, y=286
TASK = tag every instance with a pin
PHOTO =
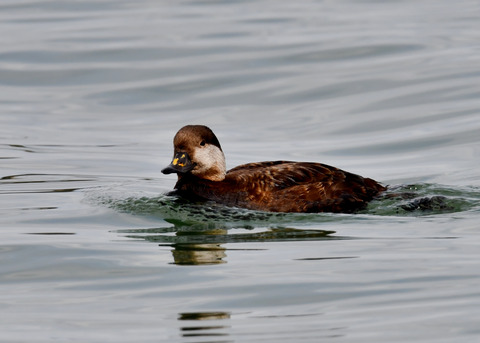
x=205, y=215
x=398, y=201
x=425, y=199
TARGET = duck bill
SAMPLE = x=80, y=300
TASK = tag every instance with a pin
x=181, y=164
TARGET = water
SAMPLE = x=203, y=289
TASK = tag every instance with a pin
x=91, y=94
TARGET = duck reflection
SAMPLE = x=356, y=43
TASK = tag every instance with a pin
x=203, y=315
x=204, y=331
x=199, y=253
x=204, y=244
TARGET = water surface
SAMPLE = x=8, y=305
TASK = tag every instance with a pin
x=91, y=94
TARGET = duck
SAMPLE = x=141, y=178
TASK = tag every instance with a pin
x=273, y=186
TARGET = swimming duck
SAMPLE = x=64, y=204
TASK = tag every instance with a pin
x=277, y=186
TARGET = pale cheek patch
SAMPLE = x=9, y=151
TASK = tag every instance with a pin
x=209, y=158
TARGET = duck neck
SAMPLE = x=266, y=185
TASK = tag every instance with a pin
x=217, y=172
x=214, y=168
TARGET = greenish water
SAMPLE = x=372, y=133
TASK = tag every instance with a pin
x=402, y=200
x=91, y=95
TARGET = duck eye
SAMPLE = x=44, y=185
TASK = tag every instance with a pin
x=202, y=143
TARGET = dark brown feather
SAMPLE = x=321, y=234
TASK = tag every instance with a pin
x=283, y=186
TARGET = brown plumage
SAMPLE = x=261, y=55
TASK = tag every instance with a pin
x=279, y=186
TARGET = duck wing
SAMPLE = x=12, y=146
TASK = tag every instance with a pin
x=284, y=186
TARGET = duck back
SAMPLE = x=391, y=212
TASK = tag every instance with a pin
x=284, y=186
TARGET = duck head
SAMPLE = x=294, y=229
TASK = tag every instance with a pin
x=197, y=151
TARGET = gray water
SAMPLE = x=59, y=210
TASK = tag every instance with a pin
x=91, y=94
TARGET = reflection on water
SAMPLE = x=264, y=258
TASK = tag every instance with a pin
x=201, y=253
x=195, y=254
x=198, y=231
x=203, y=315
x=194, y=246
x=204, y=331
